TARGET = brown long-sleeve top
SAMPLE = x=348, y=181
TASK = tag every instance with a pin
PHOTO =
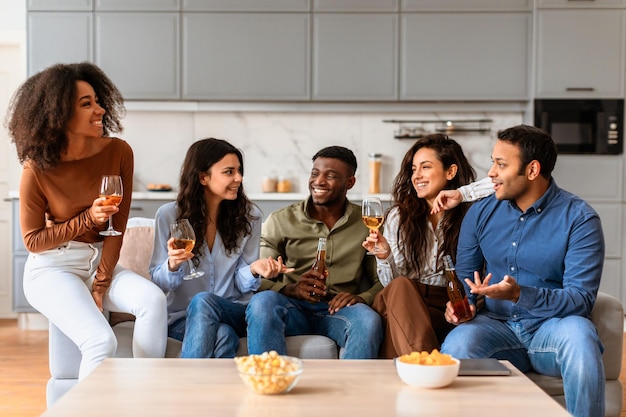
x=64, y=195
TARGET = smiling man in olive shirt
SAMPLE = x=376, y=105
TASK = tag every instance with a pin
x=302, y=302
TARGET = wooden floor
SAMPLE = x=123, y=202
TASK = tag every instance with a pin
x=24, y=371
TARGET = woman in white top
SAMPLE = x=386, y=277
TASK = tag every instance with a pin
x=415, y=238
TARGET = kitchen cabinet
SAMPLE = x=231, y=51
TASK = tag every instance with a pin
x=246, y=5
x=59, y=5
x=355, y=5
x=20, y=304
x=580, y=53
x=611, y=217
x=465, y=5
x=329, y=50
x=598, y=180
x=147, y=207
x=138, y=5
x=265, y=57
x=55, y=37
x=140, y=52
x=589, y=4
x=592, y=177
x=473, y=56
x=355, y=56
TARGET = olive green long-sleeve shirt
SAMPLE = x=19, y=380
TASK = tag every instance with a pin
x=290, y=232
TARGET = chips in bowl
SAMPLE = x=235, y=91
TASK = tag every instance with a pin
x=269, y=373
x=427, y=370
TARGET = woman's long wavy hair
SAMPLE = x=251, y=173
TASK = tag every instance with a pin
x=413, y=211
x=234, y=218
x=42, y=106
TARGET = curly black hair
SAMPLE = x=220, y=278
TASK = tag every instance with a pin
x=413, y=211
x=234, y=218
x=42, y=106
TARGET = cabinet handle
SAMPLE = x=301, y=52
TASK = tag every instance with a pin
x=580, y=88
x=581, y=0
x=136, y=208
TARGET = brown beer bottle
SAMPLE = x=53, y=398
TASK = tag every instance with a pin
x=319, y=264
x=456, y=292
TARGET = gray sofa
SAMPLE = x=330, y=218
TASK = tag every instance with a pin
x=607, y=315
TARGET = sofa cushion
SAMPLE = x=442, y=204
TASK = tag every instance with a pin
x=136, y=250
x=302, y=346
x=135, y=255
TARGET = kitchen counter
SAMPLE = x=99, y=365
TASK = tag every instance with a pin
x=171, y=195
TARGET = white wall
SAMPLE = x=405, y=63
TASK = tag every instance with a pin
x=12, y=15
x=283, y=143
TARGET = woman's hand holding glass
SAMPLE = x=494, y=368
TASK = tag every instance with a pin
x=376, y=239
x=175, y=256
x=101, y=212
x=111, y=191
x=183, y=238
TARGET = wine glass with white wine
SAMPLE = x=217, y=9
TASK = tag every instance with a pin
x=111, y=189
x=185, y=238
x=373, y=217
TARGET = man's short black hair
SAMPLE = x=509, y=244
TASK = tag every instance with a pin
x=338, y=152
x=534, y=144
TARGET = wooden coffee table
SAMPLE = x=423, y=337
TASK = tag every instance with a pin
x=212, y=387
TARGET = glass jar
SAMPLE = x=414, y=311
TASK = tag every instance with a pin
x=375, y=164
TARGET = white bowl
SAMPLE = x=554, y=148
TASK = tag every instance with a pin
x=427, y=376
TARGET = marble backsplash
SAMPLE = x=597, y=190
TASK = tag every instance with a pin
x=282, y=144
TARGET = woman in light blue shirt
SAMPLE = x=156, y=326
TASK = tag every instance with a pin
x=207, y=313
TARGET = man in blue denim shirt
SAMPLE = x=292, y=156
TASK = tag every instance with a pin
x=542, y=251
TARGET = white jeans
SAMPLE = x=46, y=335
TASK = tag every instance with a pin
x=57, y=283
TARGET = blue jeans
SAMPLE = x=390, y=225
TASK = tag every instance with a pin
x=212, y=327
x=567, y=347
x=272, y=316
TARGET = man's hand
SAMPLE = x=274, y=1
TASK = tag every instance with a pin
x=507, y=289
x=341, y=300
x=310, y=287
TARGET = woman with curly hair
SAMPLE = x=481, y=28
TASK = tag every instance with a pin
x=208, y=313
x=415, y=239
x=60, y=119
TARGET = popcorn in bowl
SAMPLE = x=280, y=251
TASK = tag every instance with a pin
x=269, y=373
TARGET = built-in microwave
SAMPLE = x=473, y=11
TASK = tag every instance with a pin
x=581, y=125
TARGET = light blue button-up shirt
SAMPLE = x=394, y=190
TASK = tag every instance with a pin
x=225, y=275
x=555, y=251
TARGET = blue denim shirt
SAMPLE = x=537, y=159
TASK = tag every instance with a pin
x=555, y=251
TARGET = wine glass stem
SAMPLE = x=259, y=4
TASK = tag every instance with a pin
x=111, y=222
x=192, y=270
